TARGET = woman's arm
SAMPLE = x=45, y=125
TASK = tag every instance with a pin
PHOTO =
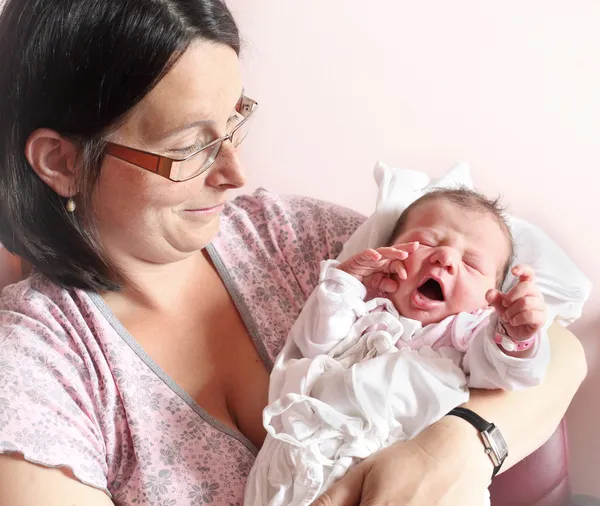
x=26, y=484
x=540, y=409
x=446, y=465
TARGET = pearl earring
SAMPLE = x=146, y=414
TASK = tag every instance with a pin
x=70, y=205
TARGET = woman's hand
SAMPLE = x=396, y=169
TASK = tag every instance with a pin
x=443, y=466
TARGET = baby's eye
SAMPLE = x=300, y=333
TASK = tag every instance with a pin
x=472, y=264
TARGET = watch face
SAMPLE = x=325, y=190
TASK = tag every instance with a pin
x=496, y=443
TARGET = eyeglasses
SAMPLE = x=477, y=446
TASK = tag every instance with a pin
x=183, y=169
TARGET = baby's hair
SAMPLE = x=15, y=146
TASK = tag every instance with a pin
x=470, y=200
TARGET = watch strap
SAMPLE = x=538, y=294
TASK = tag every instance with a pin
x=483, y=426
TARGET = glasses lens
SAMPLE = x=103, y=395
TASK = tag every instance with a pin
x=196, y=165
x=241, y=132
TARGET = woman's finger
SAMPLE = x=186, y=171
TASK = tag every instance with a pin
x=345, y=492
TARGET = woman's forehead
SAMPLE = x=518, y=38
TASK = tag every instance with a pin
x=204, y=85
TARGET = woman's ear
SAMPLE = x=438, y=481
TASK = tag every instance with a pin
x=53, y=158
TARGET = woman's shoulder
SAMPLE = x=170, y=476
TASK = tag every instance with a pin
x=44, y=364
x=31, y=296
x=269, y=250
x=40, y=318
x=275, y=220
x=263, y=202
x=39, y=299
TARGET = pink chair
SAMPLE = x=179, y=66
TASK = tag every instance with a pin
x=542, y=479
x=11, y=269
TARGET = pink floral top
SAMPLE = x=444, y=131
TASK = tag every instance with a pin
x=77, y=391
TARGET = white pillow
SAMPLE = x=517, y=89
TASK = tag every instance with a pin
x=563, y=285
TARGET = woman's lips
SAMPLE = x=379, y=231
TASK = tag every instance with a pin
x=206, y=211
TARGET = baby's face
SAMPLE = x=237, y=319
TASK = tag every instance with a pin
x=460, y=256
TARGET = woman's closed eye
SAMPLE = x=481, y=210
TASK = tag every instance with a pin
x=200, y=142
x=187, y=151
x=233, y=120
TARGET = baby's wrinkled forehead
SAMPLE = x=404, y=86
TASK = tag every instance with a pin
x=479, y=227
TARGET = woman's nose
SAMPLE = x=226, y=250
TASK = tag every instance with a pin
x=227, y=172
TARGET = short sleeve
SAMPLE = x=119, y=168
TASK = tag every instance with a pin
x=47, y=402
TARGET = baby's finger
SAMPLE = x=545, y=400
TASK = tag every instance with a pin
x=524, y=304
x=390, y=254
x=398, y=252
x=525, y=289
x=532, y=317
x=367, y=258
x=494, y=298
x=523, y=271
x=409, y=247
x=373, y=281
x=388, y=285
x=398, y=268
x=369, y=255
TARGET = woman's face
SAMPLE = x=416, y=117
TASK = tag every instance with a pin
x=141, y=215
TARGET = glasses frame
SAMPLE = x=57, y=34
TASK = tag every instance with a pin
x=161, y=165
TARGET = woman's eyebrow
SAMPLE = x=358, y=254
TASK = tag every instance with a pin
x=202, y=122
x=187, y=126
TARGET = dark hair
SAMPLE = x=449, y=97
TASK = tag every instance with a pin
x=78, y=67
x=469, y=200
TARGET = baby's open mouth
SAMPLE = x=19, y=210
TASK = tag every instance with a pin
x=432, y=290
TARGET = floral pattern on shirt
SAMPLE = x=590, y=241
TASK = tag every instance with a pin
x=76, y=390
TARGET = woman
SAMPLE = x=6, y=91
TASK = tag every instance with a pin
x=134, y=363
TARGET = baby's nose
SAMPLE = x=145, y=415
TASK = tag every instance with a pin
x=446, y=258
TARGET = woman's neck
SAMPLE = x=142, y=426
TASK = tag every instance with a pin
x=160, y=287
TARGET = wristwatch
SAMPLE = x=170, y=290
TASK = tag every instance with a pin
x=493, y=441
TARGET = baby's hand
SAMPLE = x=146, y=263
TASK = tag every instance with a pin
x=522, y=310
x=373, y=267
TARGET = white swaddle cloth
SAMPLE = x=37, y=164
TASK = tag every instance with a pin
x=355, y=377
x=328, y=412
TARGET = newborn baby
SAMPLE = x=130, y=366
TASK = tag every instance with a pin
x=358, y=373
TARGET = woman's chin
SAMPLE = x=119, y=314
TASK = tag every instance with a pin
x=195, y=238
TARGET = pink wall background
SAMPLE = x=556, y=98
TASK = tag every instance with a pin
x=510, y=87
